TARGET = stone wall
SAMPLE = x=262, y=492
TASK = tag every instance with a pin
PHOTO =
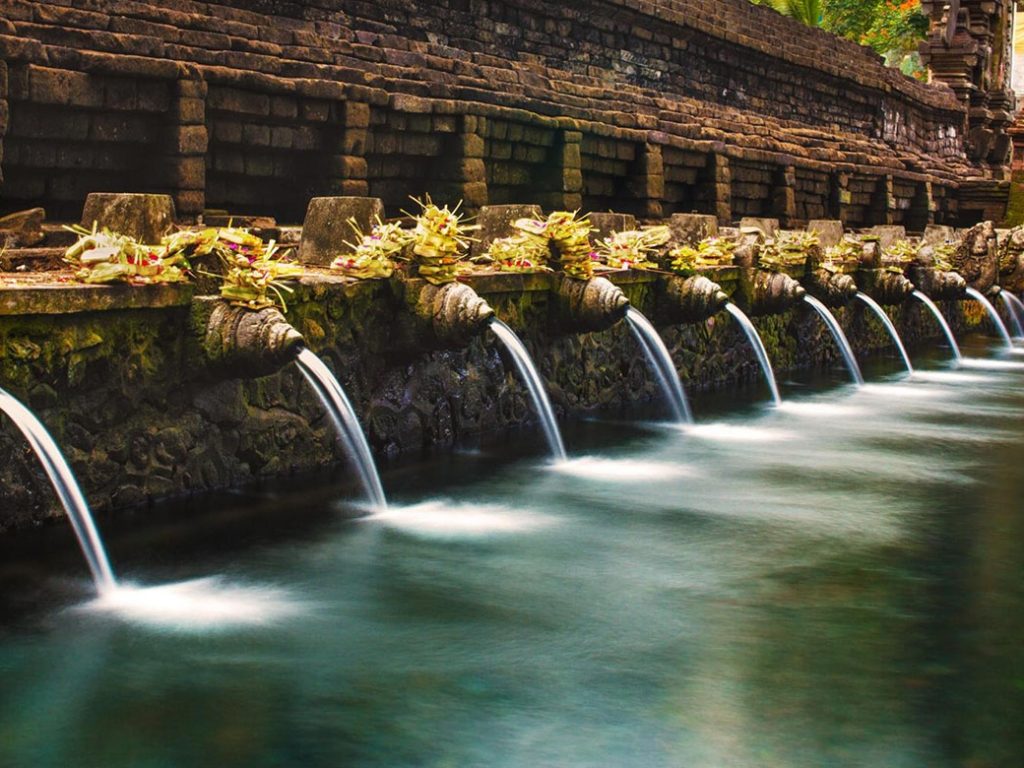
x=716, y=106
x=117, y=375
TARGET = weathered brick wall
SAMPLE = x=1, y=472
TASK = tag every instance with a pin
x=647, y=107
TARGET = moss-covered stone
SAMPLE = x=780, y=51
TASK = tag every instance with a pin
x=128, y=395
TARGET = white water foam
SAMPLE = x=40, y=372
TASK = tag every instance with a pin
x=200, y=605
x=983, y=363
x=904, y=391
x=818, y=409
x=739, y=433
x=620, y=470
x=950, y=377
x=446, y=519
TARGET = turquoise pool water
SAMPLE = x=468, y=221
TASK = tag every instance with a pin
x=836, y=582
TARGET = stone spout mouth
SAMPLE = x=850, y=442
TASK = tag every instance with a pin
x=834, y=289
x=938, y=284
x=771, y=293
x=994, y=291
x=690, y=299
x=454, y=312
x=250, y=343
x=884, y=286
x=591, y=305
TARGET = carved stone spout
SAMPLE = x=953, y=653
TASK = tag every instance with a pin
x=454, y=312
x=976, y=257
x=591, y=305
x=1011, y=260
x=833, y=288
x=938, y=284
x=884, y=286
x=935, y=283
x=689, y=299
x=249, y=343
x=769, y=293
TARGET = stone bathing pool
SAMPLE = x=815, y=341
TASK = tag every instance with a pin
x=836, y=581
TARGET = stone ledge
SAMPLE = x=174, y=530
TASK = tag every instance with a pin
x=49, y=298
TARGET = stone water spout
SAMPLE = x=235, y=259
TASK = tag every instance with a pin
x=1011, y=260
x=762, y=292
x=248, y=343
x=976, y=257
x=590, y=305
x=937, y=284
x=689, y=299
x=884, y=286
x=834, y=289
x=771, y=293
x=885, y=283
x=453, y=312
x=829, y=282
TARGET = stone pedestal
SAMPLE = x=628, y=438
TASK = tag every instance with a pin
x=604, y=224
x=327, y=228
x=691, y=228
x=145, y=217
x=829, y=231
x=496, y=221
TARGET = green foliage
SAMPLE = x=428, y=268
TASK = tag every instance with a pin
x=569, y=237
x=893, y=28
x=633, y=248
x=789, y=249
x=372, y=256
x=439, y=240
x=807, y=12
x=254, y=273
x=518, y=253
x=710, y=252
x=102, y=256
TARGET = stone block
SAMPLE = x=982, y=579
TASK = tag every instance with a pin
x=58, y=86
x=22, y=229
x=830, y=231
x=472, y=145
x=936, y=234
x=769, y=227
x=888, y=233
x=572, y=181
x=190, y=140
x=283, y=106
x=496, y=221
x=474, y=194
x=345, y=167
x=691, y=228
x=357, y=115
x=187, y=172
x=326, y=227
x=604, y=223
x=190, y=111
x=145, y=217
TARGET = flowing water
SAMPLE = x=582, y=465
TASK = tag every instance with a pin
x=66, y=488
x=841, y=341
x=837, y=582
x=661, y=363
x=997, y=321
x=877, y=309
x=534, y=385
x=937, y=314
x=755, y=341
x=1016, y=303
x=337, y=404
x=1013, y=309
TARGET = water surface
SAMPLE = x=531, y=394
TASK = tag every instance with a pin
x=837, y=582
